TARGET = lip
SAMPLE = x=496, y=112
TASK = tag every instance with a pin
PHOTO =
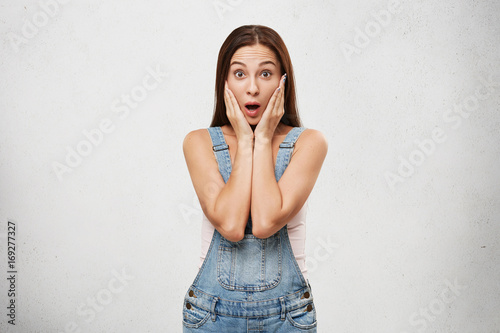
x=252, y=113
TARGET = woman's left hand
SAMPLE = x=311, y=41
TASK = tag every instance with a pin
x=272, y=114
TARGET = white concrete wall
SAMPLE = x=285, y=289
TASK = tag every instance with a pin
x=403, y=229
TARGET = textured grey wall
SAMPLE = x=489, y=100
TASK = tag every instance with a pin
x=96, y=98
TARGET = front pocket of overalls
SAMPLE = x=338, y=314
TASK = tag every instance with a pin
x=303, y=318
x=193, y=316
x=251, y=264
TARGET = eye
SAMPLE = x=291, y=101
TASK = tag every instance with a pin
x=266, y=74
x=239, y=74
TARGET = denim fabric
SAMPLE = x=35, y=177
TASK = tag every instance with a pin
x=254, y=285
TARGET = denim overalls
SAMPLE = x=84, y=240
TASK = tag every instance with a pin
x=254, y=285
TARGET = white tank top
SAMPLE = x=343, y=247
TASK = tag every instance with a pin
x=296, y=234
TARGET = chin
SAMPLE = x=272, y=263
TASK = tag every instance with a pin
x=253, y=121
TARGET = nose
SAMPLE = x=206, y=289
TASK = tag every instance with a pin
x=253, y=87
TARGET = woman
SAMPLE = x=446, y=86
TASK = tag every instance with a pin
x=253, y=274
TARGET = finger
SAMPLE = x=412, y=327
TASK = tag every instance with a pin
x=277, y=101
x=281, y=91
x=231, y=97
x=280, y=103
x=227, y=92
x=232, y=102
x=227, y=99
x=282, y=95
x=236, y=107
x=272, y=101
x=229, y=105
x=281, y=108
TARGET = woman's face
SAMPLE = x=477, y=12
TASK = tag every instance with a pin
x=254, y=75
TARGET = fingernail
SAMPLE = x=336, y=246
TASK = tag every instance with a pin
x=284, y=79
x=279, y=88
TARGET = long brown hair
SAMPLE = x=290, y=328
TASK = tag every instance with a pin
x=249, y=35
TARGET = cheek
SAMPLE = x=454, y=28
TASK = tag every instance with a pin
x=269, y=92
x=232, y=83
x=271, y=88
x=236, y=89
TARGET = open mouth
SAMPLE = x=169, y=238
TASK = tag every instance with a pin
x=252, y=109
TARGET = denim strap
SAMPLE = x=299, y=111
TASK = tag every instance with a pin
x=212, y=308
x=221, y=151
x=285, y=152
x=283, y=308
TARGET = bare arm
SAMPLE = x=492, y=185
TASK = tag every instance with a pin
x=226, y=205
x=274, y=203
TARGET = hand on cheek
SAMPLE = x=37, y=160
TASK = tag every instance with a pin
x=235, y=115
x=273, y=113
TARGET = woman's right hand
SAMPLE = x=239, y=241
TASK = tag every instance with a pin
x=238, y=121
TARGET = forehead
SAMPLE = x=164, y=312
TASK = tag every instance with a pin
x=254, y=53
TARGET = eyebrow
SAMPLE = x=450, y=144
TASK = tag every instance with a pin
x=261, y=64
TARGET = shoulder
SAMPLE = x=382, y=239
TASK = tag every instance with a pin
x=196, y=140
x=196, y=135
x=312, y=139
